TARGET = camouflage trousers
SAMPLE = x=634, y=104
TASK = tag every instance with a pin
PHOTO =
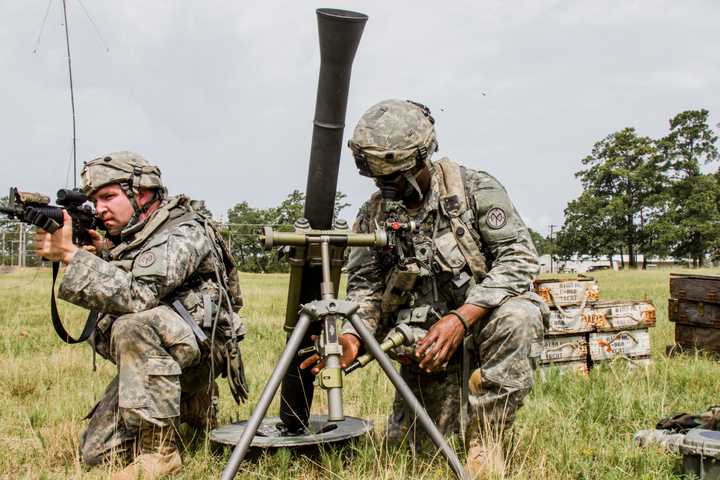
x=501, y=375
x=158, y=359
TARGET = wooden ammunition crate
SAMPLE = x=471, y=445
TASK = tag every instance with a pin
x=563, y=348
x=694, y=306
x=692, y=337
x=577, y=366
x=622, y=315
x=572, y=319
x=631, y=362
x=629, y=343
x=695, y=288
x=694, y=313
x=602, y=316
x=561, y=293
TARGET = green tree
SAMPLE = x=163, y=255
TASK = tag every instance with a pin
x=589, y=229
x=621, y=183
x=542, y=244
x=340, y=204
x=245, y=223
x=290, y=209
x=689, y=225
x=690, y=143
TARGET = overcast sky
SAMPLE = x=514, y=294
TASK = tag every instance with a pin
x=221, y=94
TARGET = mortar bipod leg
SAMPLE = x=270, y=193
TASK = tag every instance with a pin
x=266, y=397
x=409, y=397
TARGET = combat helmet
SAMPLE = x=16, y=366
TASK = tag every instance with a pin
x=130, y=170
x=393, y=136
x=125, y=168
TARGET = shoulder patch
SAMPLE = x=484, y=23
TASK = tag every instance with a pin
x=146, y=259
x=496, y=218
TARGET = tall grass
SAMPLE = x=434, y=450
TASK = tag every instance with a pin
x=571, y=427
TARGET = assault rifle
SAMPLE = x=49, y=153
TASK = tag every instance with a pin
x=35, y=209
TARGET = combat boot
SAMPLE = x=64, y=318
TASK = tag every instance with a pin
x=158, y=454
x=199, y=409
x=485, y=460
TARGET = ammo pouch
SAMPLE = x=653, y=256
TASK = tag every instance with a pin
x=400, y=282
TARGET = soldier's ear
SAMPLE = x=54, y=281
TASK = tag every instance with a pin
x=145, y=195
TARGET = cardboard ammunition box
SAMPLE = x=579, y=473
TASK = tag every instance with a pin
x=561, y=293
x=628, y=343
x=563, y=348
x=691, y=337
x=578, y=367
x=602, y=316
x=695, y=288
x=694, y=313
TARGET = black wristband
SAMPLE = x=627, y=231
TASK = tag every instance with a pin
x=462, y=319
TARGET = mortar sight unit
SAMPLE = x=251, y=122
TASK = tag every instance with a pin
x=35, y=209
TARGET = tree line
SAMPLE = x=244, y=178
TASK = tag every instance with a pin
x=641, y=195
x=647, y=196
x=244, y=224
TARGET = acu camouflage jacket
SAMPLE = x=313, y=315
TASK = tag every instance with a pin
x=171, y=256
x=445, y=278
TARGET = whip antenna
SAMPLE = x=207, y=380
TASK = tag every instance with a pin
x=72, y=94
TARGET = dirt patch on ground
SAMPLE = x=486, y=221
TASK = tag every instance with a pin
x=6, y=269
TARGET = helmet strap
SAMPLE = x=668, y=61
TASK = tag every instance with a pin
x=412, y=180
x=131, y=193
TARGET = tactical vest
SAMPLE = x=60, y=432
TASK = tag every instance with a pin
x=167, y=218
x=454, y=246
x=456, y=207
x=209, y=299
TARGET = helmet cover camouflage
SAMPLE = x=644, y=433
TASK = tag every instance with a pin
x=126, y=168
x=392, y=136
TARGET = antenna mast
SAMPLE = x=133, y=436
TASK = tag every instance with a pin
x=72, y=93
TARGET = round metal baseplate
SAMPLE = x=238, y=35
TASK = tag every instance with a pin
x=270, y=435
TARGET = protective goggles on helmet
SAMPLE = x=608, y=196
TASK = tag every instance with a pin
x=381, y=164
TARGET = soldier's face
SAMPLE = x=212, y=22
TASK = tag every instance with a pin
x=113, y=207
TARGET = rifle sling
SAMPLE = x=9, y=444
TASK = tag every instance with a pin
x=90, y=323
x=182, y=311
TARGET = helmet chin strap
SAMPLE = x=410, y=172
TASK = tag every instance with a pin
x=137, y=209
x=412, y=180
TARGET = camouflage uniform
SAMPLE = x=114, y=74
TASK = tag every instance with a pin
x=171, y=256
x=499, y=344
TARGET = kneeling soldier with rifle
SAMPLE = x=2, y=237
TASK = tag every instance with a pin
x=166, y=293
x=458, y=271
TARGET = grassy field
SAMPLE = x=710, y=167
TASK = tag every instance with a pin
x=572, y=427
